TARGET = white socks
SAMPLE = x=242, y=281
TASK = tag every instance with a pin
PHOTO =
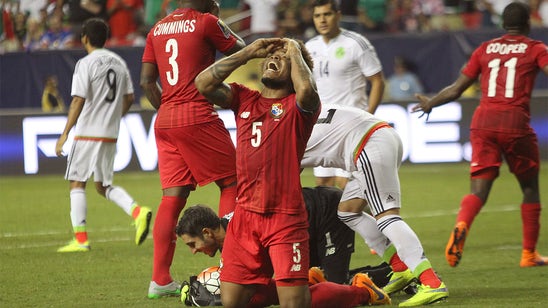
x=78, y=207
x=119, y=196
x=405, y=240
x=366, y=226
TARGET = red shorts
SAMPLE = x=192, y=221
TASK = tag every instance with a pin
x=258, y=245
x=520, y=151
x=195, y=155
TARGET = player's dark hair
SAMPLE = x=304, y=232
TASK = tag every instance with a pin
x=96, y=30
x=334, y=4
x=516, y=17
x=195, y=218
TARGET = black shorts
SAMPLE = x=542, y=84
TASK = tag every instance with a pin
x=331, y=241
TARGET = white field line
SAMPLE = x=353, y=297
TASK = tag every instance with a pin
x=431, y=214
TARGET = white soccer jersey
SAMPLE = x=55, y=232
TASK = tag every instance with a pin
x=341, y=67
x=356, y=141
x=337, y=135
x=102, y=78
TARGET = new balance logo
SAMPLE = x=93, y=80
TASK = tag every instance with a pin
x=244, y=115
x=295, y=268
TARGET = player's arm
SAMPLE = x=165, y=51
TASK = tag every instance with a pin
x=210, y=82
x=213, y=9
x=305, y=87
x=545, y=70
x=446, y=95
x=127, y=102
x=240, y=44
x=377, y=90
x=149, y=84
x=75, y=109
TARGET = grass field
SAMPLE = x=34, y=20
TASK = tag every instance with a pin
x=34, y=222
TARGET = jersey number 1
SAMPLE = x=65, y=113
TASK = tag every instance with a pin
x=510, y=66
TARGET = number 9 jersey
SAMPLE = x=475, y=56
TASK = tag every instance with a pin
x=102, y=79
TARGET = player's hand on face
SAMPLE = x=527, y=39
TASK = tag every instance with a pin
x=292, y=46
x=261, y=48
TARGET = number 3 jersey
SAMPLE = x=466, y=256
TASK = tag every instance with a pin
x=102, y=78
x=182, y=45
x=508, y=66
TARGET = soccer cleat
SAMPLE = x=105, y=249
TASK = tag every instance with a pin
x=455, y=245
x=74, y=246
x=142, y=224
x=185, y=293
x=376, y=295
x=156, y=291
x=426, y=295
x=532, y=258
x=399, y=281
x=315, y=275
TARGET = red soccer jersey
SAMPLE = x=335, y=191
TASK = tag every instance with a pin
x=508, y=66
x=182, y=45
x=271, y=139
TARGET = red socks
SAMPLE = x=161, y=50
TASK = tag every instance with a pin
x=469, y=208
x=164, y=237
x=329, y=294
x=530, y=216
x=228, y=200
x=429, y=278
x=397, y=264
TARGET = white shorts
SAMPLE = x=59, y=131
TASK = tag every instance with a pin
x=377, y=179
x=91, y=157
x=322, y=172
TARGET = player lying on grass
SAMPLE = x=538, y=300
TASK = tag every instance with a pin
x=331, y=241
x=203, y=231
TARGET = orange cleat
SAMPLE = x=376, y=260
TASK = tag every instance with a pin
x=315, y=275
x=376, y=295
x=455, y=245
x=532, y=258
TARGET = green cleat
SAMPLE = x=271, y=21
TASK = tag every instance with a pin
x=426, y=295
x=74, y=246
x=142, y=225
x=399, y=281
x=156, y=291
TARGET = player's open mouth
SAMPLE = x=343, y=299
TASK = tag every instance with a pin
x=272, y=66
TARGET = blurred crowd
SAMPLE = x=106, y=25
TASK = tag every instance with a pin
x=29, y=25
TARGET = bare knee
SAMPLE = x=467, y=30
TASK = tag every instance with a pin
x=102, y=190
x=353, y=205
x=235, y=295
x=294, y=296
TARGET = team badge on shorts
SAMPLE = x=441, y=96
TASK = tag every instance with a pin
x=276, y=110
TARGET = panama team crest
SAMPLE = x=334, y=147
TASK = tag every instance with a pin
x=223, y=28
x=276, y=110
